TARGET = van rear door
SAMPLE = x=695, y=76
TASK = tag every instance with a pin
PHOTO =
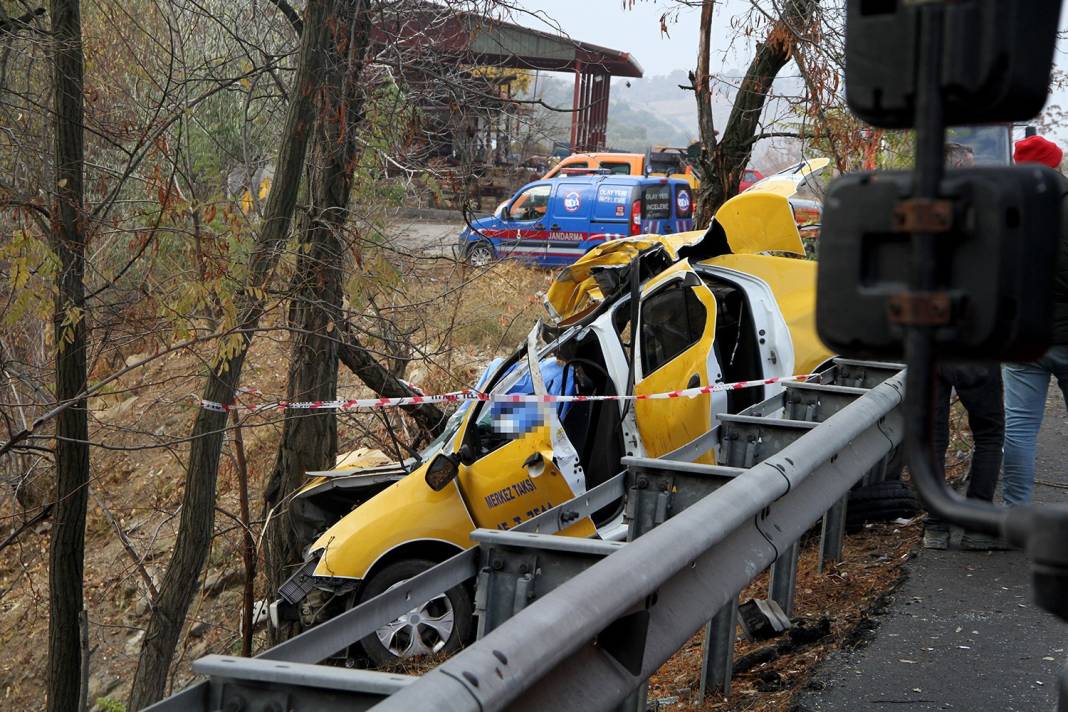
x=612, y=211
x=657, y=201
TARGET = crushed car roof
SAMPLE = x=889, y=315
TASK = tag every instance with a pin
x=749, y=223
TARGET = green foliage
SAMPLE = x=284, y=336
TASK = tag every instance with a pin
x=110, y=704
x=31, y=269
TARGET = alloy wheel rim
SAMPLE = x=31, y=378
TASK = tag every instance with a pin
x=424, y=630
x=480, y=256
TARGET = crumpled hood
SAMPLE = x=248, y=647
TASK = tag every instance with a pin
x=749, y=223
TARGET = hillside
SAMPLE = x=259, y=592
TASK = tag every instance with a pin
x=656, y=111
x=137, y=483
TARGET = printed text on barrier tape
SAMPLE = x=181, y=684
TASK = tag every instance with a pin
x=469, y=395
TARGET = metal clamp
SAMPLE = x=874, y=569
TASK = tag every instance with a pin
x=920, y=309
x=924, y=215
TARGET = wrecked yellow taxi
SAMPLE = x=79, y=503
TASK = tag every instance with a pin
x=642, y=315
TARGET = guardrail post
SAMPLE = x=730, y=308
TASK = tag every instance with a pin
x=718, y=663
x=783, y=577
x=648, y=504
x=832, y=534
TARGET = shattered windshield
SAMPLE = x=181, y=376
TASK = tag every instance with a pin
x=452, y=425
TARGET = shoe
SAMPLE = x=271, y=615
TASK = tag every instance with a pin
x=977, y=541
x=936, y=537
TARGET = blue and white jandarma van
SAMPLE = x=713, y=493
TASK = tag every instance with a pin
x=554, y=222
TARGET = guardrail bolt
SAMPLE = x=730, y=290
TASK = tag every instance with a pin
x=523, y=568
x=643, y=483
x=497, y=564
x=569, y=515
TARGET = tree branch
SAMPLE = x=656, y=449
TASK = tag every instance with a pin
x=294, y=19
x=379, y=379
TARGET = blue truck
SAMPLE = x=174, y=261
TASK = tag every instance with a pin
x=553, y=222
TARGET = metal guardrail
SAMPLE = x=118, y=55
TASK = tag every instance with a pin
x=579, y=624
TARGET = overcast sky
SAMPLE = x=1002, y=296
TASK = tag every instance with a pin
x=637, y=31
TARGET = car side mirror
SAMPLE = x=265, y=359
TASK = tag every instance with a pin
x=466, y=454
x=443, y=469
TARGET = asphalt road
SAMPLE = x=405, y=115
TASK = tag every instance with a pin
x=424, y=238
x=962, y=633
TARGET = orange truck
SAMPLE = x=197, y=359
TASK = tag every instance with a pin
x=659, y=163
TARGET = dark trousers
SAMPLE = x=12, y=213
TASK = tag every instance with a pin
x=980, y=391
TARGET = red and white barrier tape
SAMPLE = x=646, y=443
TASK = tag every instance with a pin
x=473, y=395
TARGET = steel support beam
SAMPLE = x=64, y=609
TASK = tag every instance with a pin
x=832, y=534
x=576, y=104
x=256, y=685
x=863, y=374
x=718, y=660
x=519, y=567
x=746, y=440
x=816, y=402
x=783, y=578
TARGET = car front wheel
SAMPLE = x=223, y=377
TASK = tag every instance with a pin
x=438, y=626
x=480, y=254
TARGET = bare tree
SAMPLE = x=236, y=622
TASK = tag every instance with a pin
x=67, y=551
x=198, y=503
x=309, y=441
x=723, y=158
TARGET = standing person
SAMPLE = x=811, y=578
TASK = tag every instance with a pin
x=979, y=389
x=1026, y=384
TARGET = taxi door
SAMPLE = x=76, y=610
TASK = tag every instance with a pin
x=676, y=351
x=525, y=464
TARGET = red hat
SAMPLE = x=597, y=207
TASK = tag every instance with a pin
x=1035, y=149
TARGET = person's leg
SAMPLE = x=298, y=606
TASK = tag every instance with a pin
x=983, y=399
x=1056, y=360
x=936, y=531
x=1025, y=403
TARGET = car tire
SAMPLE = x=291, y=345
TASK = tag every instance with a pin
x=880, y=502
x=480, y=254
x=443, y=624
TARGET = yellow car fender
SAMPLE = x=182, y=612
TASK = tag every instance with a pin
x=405, y=512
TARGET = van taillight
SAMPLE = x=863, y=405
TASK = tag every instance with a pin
x=636, y=218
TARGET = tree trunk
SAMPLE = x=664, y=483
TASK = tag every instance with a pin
x=180, y=582
x=309, y=440
x=358, y=359
x=701, y=80
x=732, y=152
x=67, y=551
